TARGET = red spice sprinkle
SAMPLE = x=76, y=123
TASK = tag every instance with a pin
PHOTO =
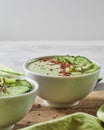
x=66, y=74
x=54, y=116
x=38, y=105
x=29, y=122
x=39, y=114
x=63, y=66
x=51, y=69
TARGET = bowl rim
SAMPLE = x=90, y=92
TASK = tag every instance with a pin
x=49, y=76
x=35, y=87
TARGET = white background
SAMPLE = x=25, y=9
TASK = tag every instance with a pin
x=51, y=19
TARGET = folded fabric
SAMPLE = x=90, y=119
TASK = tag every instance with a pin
x=100, y=113
x=77, y=121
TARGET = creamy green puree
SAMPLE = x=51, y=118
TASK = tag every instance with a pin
x=62, y=66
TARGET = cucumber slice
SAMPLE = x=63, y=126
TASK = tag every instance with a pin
x=22, y=83
x=81, y=60
x=93, y=68
x=60, y=59
x=86, y=67
x=9, y=80
x=67, y=59
x=17, y=90
x=76, y=73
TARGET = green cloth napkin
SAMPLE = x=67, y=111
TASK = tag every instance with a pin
x=77, y=121
x=7, y=71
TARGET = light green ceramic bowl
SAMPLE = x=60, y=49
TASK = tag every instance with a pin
x=14, y=108
x=63, y=91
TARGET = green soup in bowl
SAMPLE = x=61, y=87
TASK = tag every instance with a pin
x=63, y=80
x=17, y=96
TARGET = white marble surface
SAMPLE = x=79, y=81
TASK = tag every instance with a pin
x=14, y=54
